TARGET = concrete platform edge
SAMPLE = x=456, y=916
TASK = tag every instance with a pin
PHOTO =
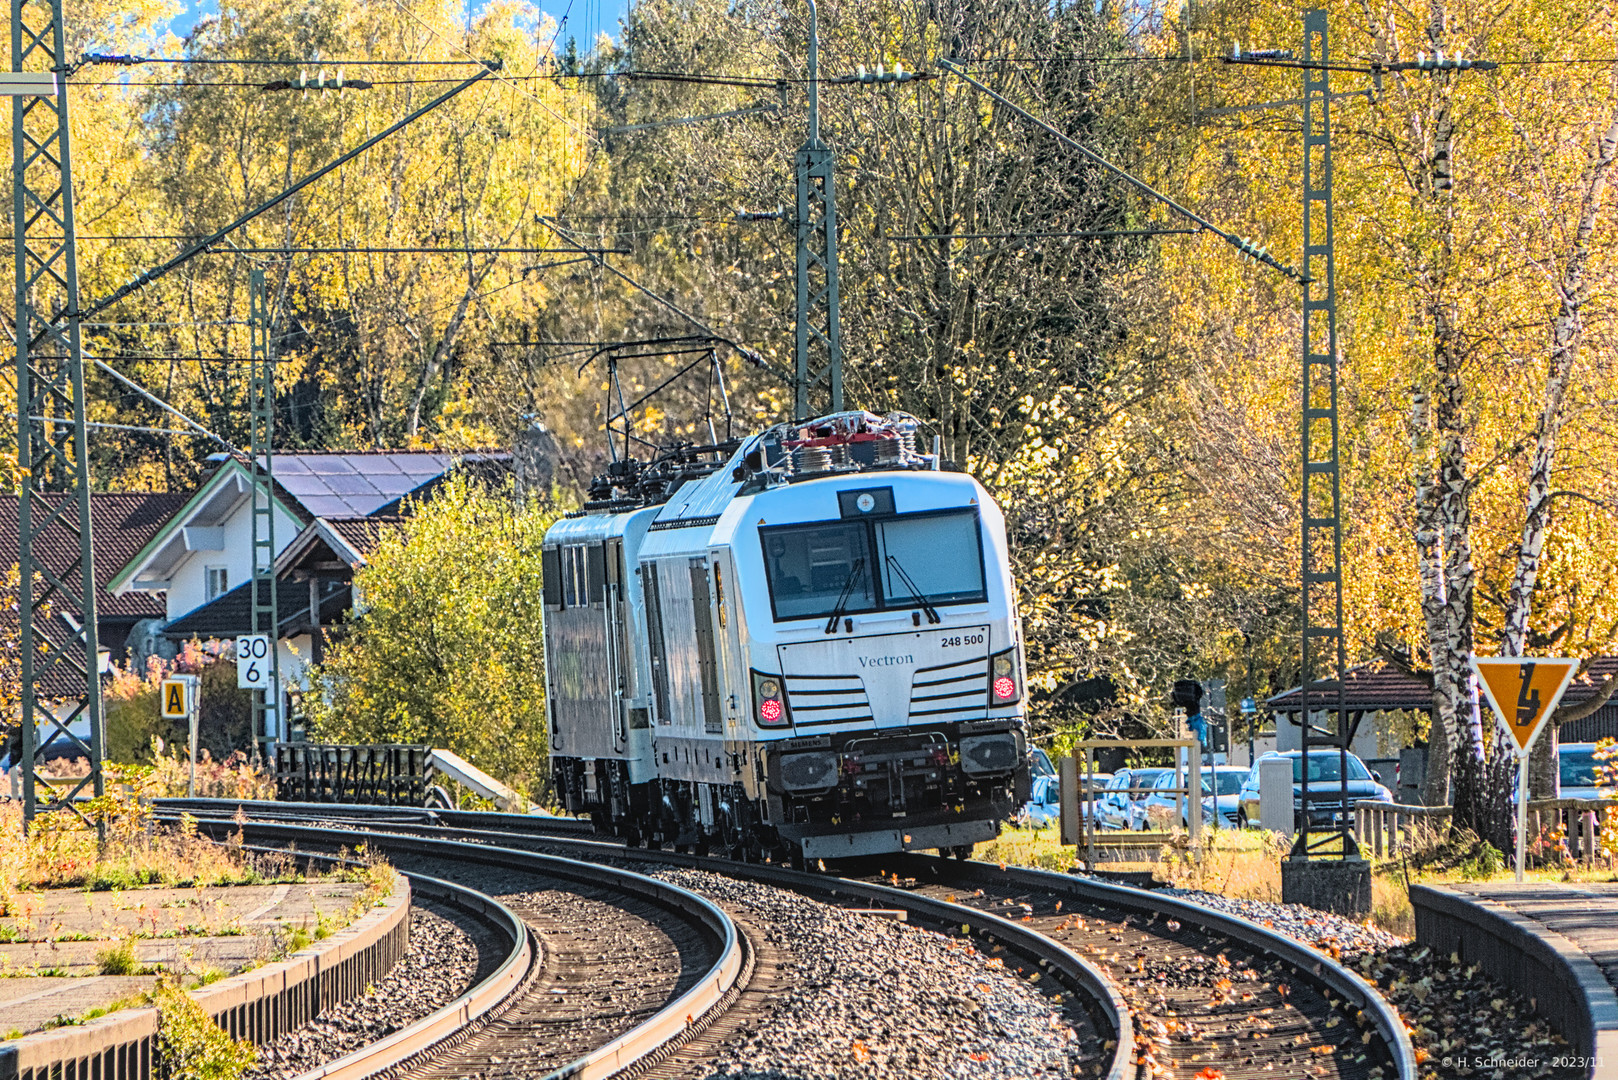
x=252, y=1005
x=1572, y=993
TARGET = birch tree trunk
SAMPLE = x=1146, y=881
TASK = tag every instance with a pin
x=1435, y=789
x=1567, y=334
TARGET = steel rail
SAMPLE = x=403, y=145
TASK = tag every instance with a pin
x=711, y=992
x=1322, y=968
x=479, y=1001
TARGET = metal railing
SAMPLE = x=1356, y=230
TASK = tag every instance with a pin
x=382, y=775
x=1079, y=824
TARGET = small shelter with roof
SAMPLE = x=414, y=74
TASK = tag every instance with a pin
x=1375, y=690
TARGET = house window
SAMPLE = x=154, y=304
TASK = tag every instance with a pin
x=218, y=582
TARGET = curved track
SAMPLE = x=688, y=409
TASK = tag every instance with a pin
x=1180, y=987
x=613, y=968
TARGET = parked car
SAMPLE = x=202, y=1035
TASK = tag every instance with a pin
x=1164, y=804
x=1113, y=810
x=1044, y=805
x=1576, y=763
x=1039, y=763
x=1222, y=790
x=1161, y=798
x=1325, y=782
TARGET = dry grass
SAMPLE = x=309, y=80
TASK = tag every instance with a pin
x=63, y=850
x=1247, y=865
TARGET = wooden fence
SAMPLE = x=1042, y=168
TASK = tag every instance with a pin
x=1387, y=828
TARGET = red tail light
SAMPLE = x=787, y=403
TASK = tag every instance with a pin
x=1004, y=685
x=769, y=698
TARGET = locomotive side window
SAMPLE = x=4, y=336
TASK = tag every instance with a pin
x=913, y=559
x=550, y=568
x=572, y=576
x=811, y=567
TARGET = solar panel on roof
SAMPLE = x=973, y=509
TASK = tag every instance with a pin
x=419, y=464
x=354, y=485
x=289, y=466
x=325, y=505
x=325, y=464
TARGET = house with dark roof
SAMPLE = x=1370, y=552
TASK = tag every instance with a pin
x=121, y=524
x=330, y=508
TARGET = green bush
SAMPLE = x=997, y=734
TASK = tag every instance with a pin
x=447, y=647
x=118, y=960
x=190, y=1046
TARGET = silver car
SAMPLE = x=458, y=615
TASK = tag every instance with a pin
x=1116, y=807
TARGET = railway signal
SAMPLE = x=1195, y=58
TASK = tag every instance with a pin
x=1524, y=692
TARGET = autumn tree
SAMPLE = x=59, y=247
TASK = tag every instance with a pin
x=1472, y=230
x=444, y=645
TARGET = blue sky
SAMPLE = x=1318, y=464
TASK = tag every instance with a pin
x=585, y=18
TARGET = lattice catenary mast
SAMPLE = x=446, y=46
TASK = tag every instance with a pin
x=59, y=665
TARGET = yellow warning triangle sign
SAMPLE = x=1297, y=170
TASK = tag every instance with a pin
x=1524, y=691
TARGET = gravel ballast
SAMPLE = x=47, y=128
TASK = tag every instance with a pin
x=440, y=965
x=1319, y=929
x=878, y=998
x=1463, y=1023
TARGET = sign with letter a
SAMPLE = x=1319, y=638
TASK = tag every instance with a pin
x=176, y=699
x=1524, y=691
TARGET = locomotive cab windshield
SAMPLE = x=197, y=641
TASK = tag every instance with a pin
x=922, y=560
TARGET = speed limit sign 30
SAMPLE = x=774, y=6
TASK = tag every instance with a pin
x=253, y=662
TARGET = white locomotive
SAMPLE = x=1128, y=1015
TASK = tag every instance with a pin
x=803, y=644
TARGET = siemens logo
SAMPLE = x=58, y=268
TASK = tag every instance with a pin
x=886, y=661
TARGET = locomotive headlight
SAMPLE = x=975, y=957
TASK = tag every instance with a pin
x=1003, y=685
x=769, y=703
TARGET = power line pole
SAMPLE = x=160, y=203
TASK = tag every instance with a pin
x=60, y=672
x=1324, y=645
x=818, y=345
x=267, y=726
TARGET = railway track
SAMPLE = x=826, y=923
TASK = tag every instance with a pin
x=1184, y=991
x=607, y=969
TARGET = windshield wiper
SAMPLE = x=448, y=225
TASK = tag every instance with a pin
x=915, y=593
x=842, y=597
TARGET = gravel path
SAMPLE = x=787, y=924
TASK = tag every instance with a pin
x=875, y=998
x=440, y=965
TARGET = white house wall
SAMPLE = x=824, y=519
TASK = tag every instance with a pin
x=188, y=588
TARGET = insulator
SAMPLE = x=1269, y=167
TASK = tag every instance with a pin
x=811, y=459
x=890, y=451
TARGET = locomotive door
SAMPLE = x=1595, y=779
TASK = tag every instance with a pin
x=732, y=672
x=619, y=660
x=713, y=720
